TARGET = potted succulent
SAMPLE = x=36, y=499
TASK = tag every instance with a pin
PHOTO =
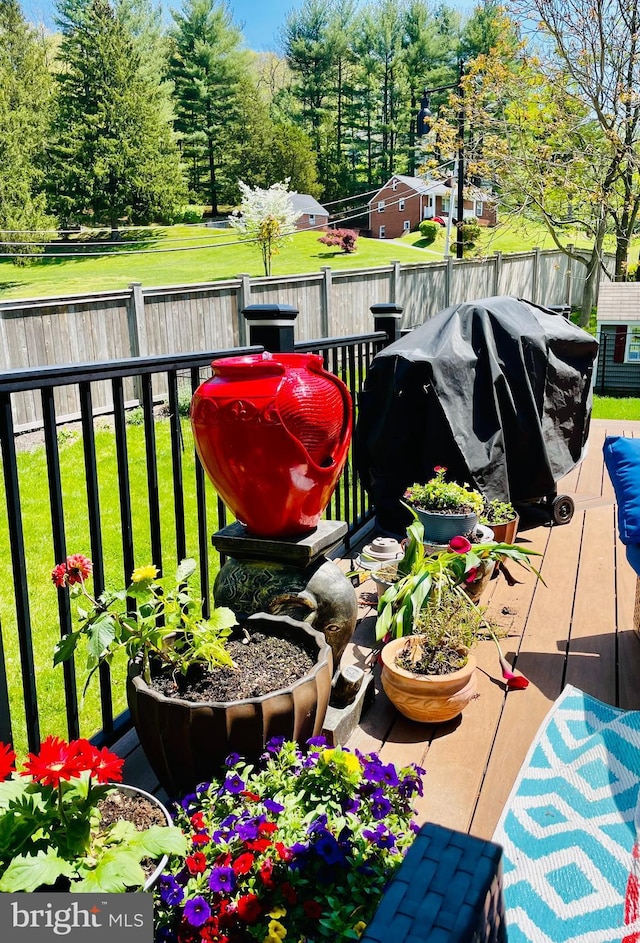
x=197, y=691
x=445, y=508
x=66, y=824
x=299, y=846
x=502, y=518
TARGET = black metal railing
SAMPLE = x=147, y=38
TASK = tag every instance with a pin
x=126, y=472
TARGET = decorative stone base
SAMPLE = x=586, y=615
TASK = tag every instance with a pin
x=298, y=551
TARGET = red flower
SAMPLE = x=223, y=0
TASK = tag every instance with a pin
x=53, y=763
x=460, y=544
x=249, y=908
x=78, y=568
x=223, y=861
x=197, y=820
x=82, y=753
x=514, y=681
x=259, y=845
x=266, y=873
x=289, y=893
x=439, y=468
x=266, y=828
x=59, y=575
x=196, y=862
x=251, y=796
x=107, y=767
x=7, y=761
x=312, y=909
x=210, y=932
x=243, y=863
x=200, y=839
x=284, y=853
x=471, y=575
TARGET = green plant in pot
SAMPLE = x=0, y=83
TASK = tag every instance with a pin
x=502, y=518
x=445, y=508
x=197, y=691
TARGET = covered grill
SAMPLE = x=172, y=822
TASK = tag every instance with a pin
x=497, y=390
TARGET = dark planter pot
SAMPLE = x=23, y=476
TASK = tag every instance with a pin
x=440, y=527
x=186, y=742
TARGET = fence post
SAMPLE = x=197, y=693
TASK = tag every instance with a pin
x=244, y=300
x=386, y=317
x=497, y=271
x=448, y=278
x=325, y=301
x=137, y=331
x=568, y=277
x=535, y=290
x=271, y=326
x=394, y=282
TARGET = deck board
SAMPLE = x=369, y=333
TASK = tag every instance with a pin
x=575, y=629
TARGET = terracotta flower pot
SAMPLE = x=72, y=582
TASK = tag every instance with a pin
x=506, y=533
x=426, y=698
x=186, y=742
x=272, y=432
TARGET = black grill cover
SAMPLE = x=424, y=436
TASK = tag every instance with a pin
x=496, y=390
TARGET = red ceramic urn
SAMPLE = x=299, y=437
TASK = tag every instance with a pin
x=272, y=432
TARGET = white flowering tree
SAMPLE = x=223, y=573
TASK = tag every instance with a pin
x=266, y=217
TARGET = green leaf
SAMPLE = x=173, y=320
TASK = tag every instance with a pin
x=26, y=872
x=186, y=569
x=158, y=840
x=117, y=869
x=102, y=632
x=65, y=647
x=221, y=618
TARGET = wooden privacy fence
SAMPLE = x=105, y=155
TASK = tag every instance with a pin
x=146, y=322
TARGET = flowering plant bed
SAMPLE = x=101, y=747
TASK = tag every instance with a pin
x=56, y=827
x=301, y=847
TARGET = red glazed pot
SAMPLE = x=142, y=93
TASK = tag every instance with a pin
x=272, y=432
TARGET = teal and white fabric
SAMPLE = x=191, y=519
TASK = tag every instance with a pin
x=569, y=829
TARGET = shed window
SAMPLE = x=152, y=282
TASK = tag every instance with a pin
x=478, y=208
x=633, y=345
x=381, y=206
x=312, y=219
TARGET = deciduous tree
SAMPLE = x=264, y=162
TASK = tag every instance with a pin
x=267, y=218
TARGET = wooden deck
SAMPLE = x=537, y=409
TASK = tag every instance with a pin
x=576, y=630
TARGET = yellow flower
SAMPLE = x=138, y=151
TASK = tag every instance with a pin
x=277, y=930
x=348, y=760
x=360, y=927
x=278, y=912
x=144, y=573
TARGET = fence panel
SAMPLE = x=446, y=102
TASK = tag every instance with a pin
x=422, y=292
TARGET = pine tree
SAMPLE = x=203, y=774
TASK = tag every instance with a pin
x=114, y=151
x=214, y=97
x=25, y=95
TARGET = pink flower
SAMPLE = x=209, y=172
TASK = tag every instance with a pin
x=471, y=575
x=439, y=468
x=515, y=681
x=460, y=544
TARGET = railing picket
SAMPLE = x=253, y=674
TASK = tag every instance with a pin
x=95, y=536
x=124, y=490
x=152, y=471
x=19, y=567
x=6, y=730
x=59, y=550
x=203, y=529
x=177, y=448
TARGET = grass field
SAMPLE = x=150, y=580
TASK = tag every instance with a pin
x=611, y=407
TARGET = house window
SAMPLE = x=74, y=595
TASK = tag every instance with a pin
x=632, y=354
x=400, y=205
x=478, y=208
x=446, y=201
x=394, y=184
x=312, y=219
x=406, y=226
x=382, y=232
x=381, y=206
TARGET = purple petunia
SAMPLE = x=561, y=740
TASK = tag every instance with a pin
x=318, y=825
x=350, y=804
x=317, y=742
x=170, y=891
x=222, y=880
x=327, y=848
x=380, y=805
x=234, y=784
x=247, y=831
x=232, y=759
x=274, y=745
x=272, y=806
x=197, y=911
x=380, y=836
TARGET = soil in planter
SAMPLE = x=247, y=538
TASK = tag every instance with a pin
x=264, y=664
x=429, y=661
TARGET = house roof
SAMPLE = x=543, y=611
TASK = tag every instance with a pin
x=423, y=185
x=619, y=302
x=304, y=203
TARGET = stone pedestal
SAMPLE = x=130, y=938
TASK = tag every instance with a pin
x=288, y=576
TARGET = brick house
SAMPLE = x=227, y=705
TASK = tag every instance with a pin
x=313, y=215
x=403, y=202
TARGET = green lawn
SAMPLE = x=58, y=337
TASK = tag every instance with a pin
x=207, y=255
x=37, y=535
x=612, y=407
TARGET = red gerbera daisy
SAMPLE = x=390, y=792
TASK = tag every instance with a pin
x=79, y=568
x=7, y=761
x=107, y=767
x=52, y=764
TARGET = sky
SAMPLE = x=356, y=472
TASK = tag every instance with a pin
x=260, y=20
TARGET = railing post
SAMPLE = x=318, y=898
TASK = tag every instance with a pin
x=569, y=276
x=535, y=291
x=395, y=282
x=448, y=278
x=271, y=326
x=244, y=300
x=137, y=330
x=386, y=317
